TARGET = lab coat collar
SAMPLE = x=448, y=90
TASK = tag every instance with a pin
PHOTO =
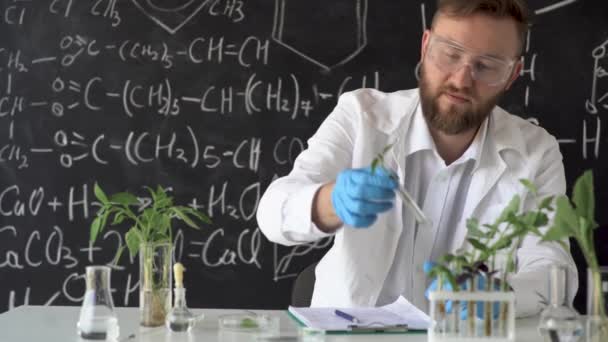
x=475, y=151
x=420, y=139
x=418, y=135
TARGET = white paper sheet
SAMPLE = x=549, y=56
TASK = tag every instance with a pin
x=399, y=312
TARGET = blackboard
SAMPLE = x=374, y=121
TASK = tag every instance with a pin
x=214, y=99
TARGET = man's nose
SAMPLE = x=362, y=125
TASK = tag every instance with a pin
x=462, y=77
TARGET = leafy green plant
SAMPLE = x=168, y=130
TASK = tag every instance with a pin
x=151, y=234
x=575, y=218
x=508, y=231
x=152, y=225
x=505, y=234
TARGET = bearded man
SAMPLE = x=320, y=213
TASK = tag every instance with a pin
x=453, y=149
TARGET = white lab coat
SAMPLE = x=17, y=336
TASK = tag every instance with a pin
x=354, y=269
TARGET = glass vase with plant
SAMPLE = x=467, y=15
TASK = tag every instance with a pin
x=575, y=218
x=150, y=235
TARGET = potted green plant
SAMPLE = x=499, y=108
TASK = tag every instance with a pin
x=150, y=235
x=575, y=218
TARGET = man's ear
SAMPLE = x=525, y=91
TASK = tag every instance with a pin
x=424, y=44
x=515, y=74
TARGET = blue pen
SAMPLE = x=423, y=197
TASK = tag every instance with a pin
x=346, y=316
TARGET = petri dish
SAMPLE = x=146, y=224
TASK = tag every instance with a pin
x=249, y=322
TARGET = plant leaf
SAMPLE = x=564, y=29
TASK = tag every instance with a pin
x=374, y=165
x=546, y=203
x=502, y=243
x=162, y=203
x=461, y=261
x=379, y=160
x=134, y=239
x=555, y=233
x=583, y=197
x=452, y=281
x=441, y=271
x=478, y=245
x=154, y=221
x=529, y=185
x=184, y=217
x=511, y=208
x=565, y=216
x=585, y=240
x=510, y=267
x=119, y=217
x=202, y=217
x=541, y=220
x=124, y=198
x=446, y=258
x=167, y=226
x=101, y=196
x=473, y=228
x=160, y=192
x=95, y=227
x=532, y=219
x=386, y=148
x=152, y=193
x=491, y=230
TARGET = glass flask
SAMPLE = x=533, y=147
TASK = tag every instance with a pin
x=97, y=319
x=559, y=322
x=180, y=319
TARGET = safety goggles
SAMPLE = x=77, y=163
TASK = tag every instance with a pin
x=450, y=56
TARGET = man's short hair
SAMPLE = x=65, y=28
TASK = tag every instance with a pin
x=515, y=9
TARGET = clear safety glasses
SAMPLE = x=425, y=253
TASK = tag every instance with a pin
x=449, y=57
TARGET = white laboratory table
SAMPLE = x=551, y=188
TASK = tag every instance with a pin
x=58, y=324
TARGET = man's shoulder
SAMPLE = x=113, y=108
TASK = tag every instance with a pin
x=382, y=110
x=520, y=133
x=367, y=98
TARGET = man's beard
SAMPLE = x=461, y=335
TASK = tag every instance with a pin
x=455, y=120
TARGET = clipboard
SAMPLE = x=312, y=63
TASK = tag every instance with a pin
x=358, y=329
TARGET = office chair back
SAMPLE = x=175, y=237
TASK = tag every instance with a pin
x=301, y=292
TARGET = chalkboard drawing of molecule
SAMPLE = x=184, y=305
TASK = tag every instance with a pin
x=171, y=15
x=325, y=33
x=599, y=95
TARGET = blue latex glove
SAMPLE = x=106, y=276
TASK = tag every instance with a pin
x=360, y=195
x=446, y=286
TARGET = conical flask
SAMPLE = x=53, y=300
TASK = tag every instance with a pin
x=97, y=319
x=559, y=321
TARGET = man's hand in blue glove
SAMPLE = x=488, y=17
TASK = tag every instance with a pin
x=446, y=286
x=360, y=195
